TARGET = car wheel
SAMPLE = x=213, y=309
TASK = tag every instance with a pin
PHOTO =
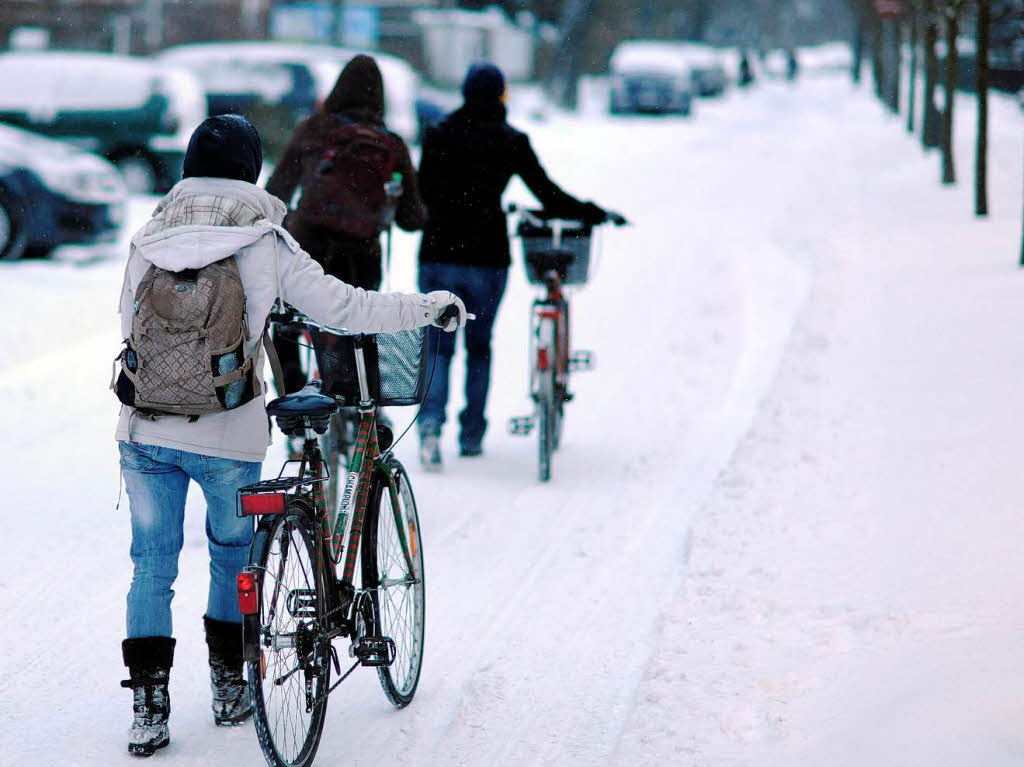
x=12, y=234
x=138, y=174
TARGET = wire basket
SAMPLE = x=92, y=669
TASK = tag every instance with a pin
x=396, y=367
x=576, y=239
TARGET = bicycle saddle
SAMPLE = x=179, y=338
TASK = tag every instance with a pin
x=547, y=260
x=308, y=402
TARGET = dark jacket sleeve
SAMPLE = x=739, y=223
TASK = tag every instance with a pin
x=550, y=195
x=288, y=171
x=427, y=177
x=410, y=216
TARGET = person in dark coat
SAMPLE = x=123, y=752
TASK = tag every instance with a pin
x=467, y=162
x=357, y=96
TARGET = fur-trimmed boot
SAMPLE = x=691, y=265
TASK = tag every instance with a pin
x=149, y=661
x=231, y=702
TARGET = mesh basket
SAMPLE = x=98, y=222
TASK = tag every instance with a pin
x=540, y=239
x=396, y=366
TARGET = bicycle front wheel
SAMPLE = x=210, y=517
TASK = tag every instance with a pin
x=547, y=424
x=289, y=680
x=392, y=557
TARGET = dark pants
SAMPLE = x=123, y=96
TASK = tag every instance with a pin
x=481, y=288
x=351, y=260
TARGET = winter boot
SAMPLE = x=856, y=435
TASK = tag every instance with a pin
x=149, y=662
x=231, y=702
x=430, y=452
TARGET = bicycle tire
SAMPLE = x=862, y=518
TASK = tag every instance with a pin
x=278, y=550
x=545, y=424
x=398, y=596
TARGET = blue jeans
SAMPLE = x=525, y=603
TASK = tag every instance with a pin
x=481, y=288
x=157, y=479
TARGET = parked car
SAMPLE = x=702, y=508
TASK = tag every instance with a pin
x=649, y=76
x=136, y=113
x=707, y=69
x=241, y=76
x=54, y=194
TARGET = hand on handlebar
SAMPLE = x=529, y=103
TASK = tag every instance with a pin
x=449, y=311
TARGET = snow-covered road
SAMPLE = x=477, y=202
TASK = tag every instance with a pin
x=564, y=623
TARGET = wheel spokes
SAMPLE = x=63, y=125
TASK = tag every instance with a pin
x=287, y=641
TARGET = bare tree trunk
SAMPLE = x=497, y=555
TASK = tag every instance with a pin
x=895, y=64
x=912, y=95
x=574, y=24
x=878, y=59
x=981, y=70
x=930, y=120
x=858, y=51
x=952, y=65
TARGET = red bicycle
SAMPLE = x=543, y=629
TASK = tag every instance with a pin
x=557, y=253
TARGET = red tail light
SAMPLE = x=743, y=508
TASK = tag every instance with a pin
x=263, y=503
x=248, y=598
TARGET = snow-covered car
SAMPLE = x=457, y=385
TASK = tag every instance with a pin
x=650, y=76
x=239, y=75
x=707, y=69
x=133, y=111
x=53, y=194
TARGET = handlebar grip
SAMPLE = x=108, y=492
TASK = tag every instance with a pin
x=449, y=313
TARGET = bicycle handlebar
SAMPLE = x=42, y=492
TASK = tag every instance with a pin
x=541, y=217
x=292, y=316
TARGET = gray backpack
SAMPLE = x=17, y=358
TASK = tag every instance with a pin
x=188, y=353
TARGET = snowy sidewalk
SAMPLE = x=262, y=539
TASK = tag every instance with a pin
x=855, y=587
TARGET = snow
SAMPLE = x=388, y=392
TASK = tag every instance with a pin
x=649, y=56
x=782, y=528
x=43, y=82
x=247, y=66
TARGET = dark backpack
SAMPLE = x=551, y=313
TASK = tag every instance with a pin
x=345, y=192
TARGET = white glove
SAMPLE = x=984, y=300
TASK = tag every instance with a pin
x=440, y=301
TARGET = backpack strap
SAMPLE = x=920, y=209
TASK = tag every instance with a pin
x=275, y=362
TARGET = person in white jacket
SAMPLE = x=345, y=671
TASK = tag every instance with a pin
x=215, y=212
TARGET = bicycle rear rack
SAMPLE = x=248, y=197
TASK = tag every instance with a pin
x=280, y=486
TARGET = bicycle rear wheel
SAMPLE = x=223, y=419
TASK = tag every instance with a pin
x=290, y=679
x=392, y=558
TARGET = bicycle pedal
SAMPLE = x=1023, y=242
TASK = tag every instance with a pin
x=301, y=603
x=581, y=360
x=520, y=426
x=374, y=651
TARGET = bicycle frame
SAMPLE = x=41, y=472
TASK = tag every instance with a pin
x=341, y=539
x=550, y=336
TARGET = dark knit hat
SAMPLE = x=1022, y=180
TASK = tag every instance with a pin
x=225, y=146
x=484, y=83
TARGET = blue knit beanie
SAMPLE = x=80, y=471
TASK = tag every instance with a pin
x=483, y=83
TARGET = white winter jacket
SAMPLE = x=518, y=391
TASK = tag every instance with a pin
x=241, y=219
